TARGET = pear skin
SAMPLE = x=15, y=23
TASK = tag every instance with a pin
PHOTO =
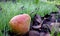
x=20, y=23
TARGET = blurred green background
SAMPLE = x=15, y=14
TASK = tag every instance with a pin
x=10, y=8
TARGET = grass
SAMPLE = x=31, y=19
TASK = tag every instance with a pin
x=10, y=9
x=54, y=2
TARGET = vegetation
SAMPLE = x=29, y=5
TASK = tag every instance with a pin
x=9, y=9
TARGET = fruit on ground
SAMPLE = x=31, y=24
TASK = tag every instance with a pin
x=20, y=23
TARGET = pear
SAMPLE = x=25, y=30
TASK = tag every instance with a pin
x=20, y=23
